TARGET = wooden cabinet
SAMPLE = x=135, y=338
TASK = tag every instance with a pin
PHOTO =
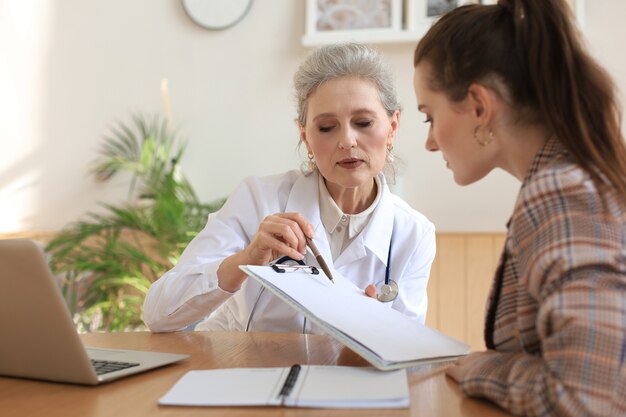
x=459, y=284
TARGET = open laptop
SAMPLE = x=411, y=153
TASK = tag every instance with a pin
x=37, y=336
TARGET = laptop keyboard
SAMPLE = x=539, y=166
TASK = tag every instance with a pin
x=104, y=367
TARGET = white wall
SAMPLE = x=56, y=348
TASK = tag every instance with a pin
x=70, y=68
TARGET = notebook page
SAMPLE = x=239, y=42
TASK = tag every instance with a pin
x=227, y=387
x=350, y=387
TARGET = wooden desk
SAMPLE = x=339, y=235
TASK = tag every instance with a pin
x=137, y=396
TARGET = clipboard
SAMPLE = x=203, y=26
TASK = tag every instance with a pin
x=384, y=337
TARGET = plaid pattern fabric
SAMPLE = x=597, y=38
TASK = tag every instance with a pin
x=556, y=319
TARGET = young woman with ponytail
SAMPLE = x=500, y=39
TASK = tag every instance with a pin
x=510, y=86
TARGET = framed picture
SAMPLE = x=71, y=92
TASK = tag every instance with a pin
x=336, y=18
x=420, y=14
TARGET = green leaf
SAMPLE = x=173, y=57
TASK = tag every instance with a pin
x=107, y=261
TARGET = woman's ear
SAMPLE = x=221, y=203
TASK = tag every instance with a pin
x=303, y=137
x=394, y=125
x=482, y=102
x=302, y=132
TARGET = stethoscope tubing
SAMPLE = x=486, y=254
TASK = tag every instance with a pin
x=388, y=268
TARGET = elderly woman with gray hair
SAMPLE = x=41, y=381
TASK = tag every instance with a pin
x=348, y=118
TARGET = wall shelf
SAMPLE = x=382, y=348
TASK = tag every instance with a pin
x=363, y=36
x=392, y=21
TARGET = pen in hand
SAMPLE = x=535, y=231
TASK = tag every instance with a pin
x=319, y=258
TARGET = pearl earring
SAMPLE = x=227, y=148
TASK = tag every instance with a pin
x=390, y=156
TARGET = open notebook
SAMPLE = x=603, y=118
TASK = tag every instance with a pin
x=298, y=386
x=383, y=336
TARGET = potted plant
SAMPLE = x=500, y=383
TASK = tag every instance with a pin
x=106, y=262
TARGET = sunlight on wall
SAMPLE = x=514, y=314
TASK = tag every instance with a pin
x=23, y=45
x=17, y=202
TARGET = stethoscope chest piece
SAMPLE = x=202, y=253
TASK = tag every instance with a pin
x=386, y=292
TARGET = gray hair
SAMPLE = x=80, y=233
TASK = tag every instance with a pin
x=344, y=60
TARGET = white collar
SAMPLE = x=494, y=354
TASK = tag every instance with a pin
x=304, y=198
x=332, y=215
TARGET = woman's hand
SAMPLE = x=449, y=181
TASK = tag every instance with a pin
x=281, y=234
x=278, y=235
x=459, y=369
x=370, y=291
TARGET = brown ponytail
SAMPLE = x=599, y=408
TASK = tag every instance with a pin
x=532, y=47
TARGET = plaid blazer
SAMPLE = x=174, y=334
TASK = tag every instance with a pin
x=556, y=317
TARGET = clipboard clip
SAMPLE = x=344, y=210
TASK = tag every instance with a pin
x=281, y=266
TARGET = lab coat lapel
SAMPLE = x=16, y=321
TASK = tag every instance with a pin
x=304, y=198
x=376, y=235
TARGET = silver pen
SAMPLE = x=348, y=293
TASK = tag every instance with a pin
x=319, y=258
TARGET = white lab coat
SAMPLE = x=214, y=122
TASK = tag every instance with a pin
x=189, y=292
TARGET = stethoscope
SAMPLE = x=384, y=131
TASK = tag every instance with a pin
x=387, y=290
